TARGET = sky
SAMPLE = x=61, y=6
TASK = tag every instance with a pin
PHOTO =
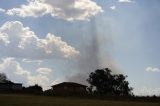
x=50, y=41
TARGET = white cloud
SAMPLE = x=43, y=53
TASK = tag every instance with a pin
x=2, y=10
x=10, y=66
x=145, y=91
x=39, y=79
x=52, y=44
x=57, y=81
x=35, y=8
x=151, y=69
x=113, y=7
x=32, y=61
x=19, y=41
x=44, y=71
x=65, y=9
x=125, y=1
x=17, y=73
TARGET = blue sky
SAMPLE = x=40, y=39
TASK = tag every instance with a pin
x=65, y=43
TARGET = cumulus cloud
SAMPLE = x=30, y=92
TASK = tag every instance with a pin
x=145, y=91
x=2, y=10
x=152, y=69
x=38, y=79
x=35, y=8
x=9, y=65
x=57, y=81
x=19, y=41
x=113, y=7
x=65, y=9
x=32, y=61
x=124, y=1
x=44, y=71
x=17, y=73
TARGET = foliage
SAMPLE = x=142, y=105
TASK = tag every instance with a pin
x=4, y=79
x=107, y=83
x=35, y=89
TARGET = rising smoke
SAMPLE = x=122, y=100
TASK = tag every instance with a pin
x=92, y=56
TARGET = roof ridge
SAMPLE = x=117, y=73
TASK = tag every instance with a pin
x=69, y=84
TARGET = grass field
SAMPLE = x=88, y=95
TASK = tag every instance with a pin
x=30, y=100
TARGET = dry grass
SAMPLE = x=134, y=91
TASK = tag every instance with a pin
x=31, y=100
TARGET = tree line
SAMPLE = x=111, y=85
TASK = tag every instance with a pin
x=101, y=81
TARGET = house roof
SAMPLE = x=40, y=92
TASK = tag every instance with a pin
x=9, y=83
x=69, y=84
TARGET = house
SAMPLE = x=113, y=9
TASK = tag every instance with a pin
x=69, y=88
x=7, y=86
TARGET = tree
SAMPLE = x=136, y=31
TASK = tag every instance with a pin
x=36, y=89
x=121, y=86
x=107, y=83
x=3, y=77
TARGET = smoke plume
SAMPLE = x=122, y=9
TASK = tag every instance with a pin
x=92, y=57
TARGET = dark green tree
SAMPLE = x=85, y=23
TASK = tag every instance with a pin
x=121, y=86
x=109, y=84
x=36, y=89
x=3, y=77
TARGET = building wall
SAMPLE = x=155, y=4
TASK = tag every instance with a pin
x=69, y=90
x=17, y=87
x=4, y=87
